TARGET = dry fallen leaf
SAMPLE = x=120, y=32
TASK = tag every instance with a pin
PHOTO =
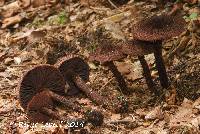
x=24, y=3
x=156, y=113
x=196, y=104
x=12, y=20
x=123, y=67
x=2, y=2
x=38, y=3
x=170, y=96
x=10, y=9
x=185, y=116
x=36, y=35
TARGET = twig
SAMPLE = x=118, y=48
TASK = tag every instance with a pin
x=106, y=83
x=112, y=4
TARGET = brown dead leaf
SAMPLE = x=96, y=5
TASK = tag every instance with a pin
x=38, y=3
x=156, y=113
x=84, y=101
x=185, y=116
x=10, y=9
x=123, y=67
x=24, y=3
x=115, y=117
x=12, y=20
x=2, y=2
x=115, y=30
x=196, y=104
x=84, y=2
x=170, y=96
x=36, y=36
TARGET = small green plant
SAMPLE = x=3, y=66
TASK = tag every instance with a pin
x=37, y=22
x=59, y=19
x=63, y=18
x=92, y=47
x=192, y=16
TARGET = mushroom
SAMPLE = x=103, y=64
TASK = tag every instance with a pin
x=40, y=78
x=39, y=110
x=76, y=73
x=72, y=68
x=69, y=66
x=39, y=89
x=33, y=84
x=106, y=54
x=138, y=48
x=154, y=30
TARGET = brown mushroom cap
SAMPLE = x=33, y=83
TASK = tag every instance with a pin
x=38, y=78
x=73, y=65
x=137, y=48
x=39, y=101
x=106, y=53
x=158, y=28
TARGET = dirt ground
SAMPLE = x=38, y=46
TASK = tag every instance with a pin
x=35, y=32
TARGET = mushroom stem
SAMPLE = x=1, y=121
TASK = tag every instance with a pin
x=88, y=91
x=51, y=113
x=160, y=66
x=147, y=74
x=66, y=101
x=118, y=76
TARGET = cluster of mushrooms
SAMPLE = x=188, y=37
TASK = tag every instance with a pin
x=44, y=86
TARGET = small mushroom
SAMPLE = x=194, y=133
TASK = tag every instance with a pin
x=72, y=68
x=71, y=65
x=76, y=72
x=39, y=89
x=37, y=79
x=35, y=107
x=139, y=49
x=44, y=81
x=106, y=54
x=42, y=111
x=154, y=30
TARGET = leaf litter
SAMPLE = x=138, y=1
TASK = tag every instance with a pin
x=39, y=32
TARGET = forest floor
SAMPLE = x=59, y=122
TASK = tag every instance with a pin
x=40, y=32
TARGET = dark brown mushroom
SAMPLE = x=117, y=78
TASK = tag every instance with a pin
x=158, y=28
x=43, y=94
x=36, y=105
x=106, y=54
x=76, y=73
x=154, y=30
x=37, y=79
x=72, y=73
x=138, y=48
x=71, y=65
x=42, y=111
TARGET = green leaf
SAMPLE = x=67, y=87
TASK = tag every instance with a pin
x=63, y=18
x=193, y=16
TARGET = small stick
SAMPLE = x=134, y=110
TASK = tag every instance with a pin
x=112, y=4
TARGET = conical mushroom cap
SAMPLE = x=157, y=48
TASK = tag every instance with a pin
x=106, y=53
x=71, y=65
x=137, y=48
x=39, y=101
x=39, y=78
x=158, y=28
